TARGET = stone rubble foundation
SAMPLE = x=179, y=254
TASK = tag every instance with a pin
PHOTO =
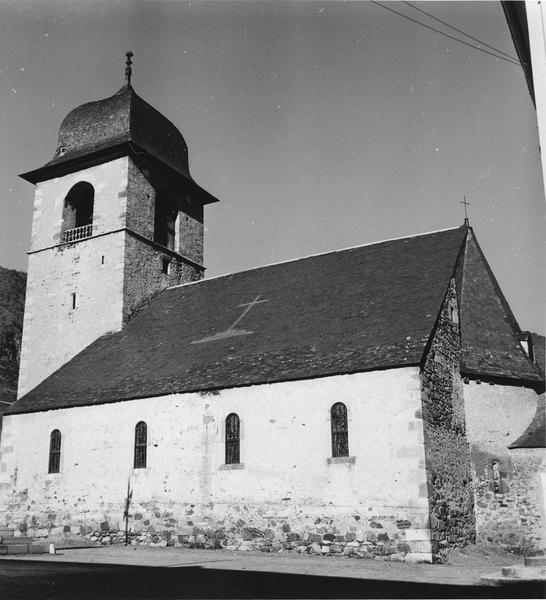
x=375, y=538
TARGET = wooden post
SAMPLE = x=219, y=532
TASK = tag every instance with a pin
x=126, y=511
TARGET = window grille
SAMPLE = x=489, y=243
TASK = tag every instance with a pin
x=233, y=440
x=496, y=477
x=340, y=430
x=140, y=445
x=55, y=452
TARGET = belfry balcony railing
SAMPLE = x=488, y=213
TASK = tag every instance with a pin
x=78, y=233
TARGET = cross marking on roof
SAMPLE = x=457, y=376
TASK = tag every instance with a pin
x=231, y=331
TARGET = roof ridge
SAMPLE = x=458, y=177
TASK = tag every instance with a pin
x=282, y=262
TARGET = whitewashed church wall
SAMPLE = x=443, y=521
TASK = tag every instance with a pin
x=507, y=483
x=54, y=331
x=287, y=483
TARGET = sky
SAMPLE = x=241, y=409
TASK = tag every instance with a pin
x=318, y=125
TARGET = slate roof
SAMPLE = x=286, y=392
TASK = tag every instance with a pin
x=489, y=331
x=366, y=308
x=358, y=309
x=120, y=124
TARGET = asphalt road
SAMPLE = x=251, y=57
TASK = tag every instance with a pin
x=31, y=579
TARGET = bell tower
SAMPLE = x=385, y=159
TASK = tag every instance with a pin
x=117, y=218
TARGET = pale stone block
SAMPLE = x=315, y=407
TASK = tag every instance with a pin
x=420, y=546
x=417, y=534
x=41, y=532
x=418, y=557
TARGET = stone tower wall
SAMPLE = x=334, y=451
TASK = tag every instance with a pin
x=113, y=273
x=144, y=277
x=110, y=183
x=141, y=199
x=54, y=331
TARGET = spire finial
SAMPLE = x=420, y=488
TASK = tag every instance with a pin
x=128, y=70
x=466, y=221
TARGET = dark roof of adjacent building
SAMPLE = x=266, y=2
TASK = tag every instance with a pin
x=539, y=346
x=360, y=309
x=120, y=124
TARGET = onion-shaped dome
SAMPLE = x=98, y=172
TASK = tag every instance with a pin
x=120, y=125
x=123, y=117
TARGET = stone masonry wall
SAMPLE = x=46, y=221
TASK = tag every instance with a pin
x=142, y=193
x=449, y=477
x=140, y=202
x=190, y=231
x=287, y=494
x=144, y=276
x=508, y=484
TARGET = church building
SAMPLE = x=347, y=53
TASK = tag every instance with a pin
x=371, y=401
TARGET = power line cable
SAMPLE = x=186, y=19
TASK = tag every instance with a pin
x=444, y=33
x=459, y=30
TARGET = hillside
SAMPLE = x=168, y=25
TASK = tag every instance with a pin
x=12, y=303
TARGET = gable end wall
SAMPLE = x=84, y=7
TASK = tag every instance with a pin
x=509, y=496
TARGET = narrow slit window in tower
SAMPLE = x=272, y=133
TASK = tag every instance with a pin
x=166, y=212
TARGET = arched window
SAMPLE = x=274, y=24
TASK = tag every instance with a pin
x=141, y=436
x=233, y=440
x=54, y=452
x=340, y=430
x=78, y=212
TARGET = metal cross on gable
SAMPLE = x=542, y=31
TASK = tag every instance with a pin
x=128, y=69
x=231, y=331
x=465, y=205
